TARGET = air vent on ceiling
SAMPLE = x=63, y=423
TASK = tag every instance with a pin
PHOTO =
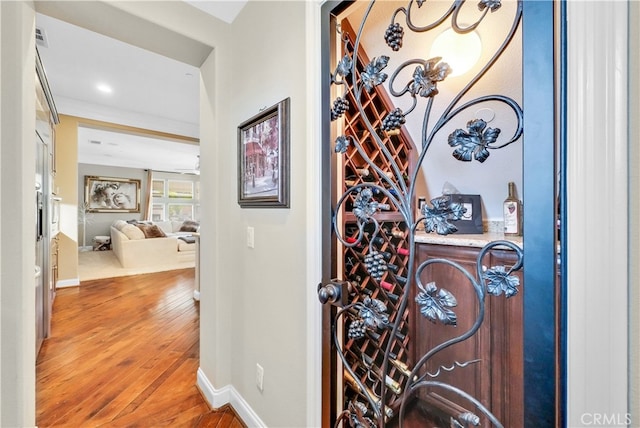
x=95, y=142
x=41, y=38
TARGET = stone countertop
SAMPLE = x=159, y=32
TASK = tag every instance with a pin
x=463, y=240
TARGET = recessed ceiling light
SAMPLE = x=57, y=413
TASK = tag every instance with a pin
x=104, y=88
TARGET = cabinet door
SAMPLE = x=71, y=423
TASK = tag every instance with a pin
x=487, y=365
x=507, y=358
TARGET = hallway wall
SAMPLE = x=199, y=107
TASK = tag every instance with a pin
x=17, y=214
x=258, y=294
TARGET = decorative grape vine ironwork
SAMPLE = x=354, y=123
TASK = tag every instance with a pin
x=368, y=316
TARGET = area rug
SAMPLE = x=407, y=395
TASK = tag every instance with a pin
x=104, y=264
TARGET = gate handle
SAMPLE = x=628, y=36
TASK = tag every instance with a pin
x=333, y=292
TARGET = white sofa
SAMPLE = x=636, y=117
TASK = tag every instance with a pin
x=133, y=249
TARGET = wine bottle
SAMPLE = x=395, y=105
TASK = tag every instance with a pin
x=400, y=335
x=387, y=286
x=512, y=210
x=402, y=251
x=367, y=392
x=376, y=240
x=401, y=367
x=393, y=385
x=392, y=297
x=400, y=279
x=373, y=335
x=363, y=172
x=392, y=267
x=397, y=233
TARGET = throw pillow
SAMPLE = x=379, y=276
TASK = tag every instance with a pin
x=189, y=226
x=132, y=232
x=119, y=224
x=151, y=231
x=165, y=226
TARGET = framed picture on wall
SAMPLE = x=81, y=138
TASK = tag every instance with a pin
x=111, y=194
x=263, y=159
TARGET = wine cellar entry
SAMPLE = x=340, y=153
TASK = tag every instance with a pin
x=424, y=331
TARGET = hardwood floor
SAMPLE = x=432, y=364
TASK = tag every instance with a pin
x=124, y=353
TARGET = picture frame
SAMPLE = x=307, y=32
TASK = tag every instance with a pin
x=111, y=194
x=471, y=221
x=263, y=158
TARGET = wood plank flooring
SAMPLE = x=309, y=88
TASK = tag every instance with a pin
x=124, y=353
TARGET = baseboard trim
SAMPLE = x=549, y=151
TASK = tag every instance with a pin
x=228, y=395
x=74, y=282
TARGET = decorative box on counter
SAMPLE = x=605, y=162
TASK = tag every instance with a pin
x=471, y=221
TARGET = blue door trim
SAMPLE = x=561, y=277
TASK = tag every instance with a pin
x=542, y=337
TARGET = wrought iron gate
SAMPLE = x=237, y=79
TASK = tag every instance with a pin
x=378, y=277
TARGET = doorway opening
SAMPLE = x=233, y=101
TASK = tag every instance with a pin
x=383, y=279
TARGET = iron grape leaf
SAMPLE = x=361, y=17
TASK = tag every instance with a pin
x=474, y=142
x=493, y=5
x=342, y=143
x=499, y=281
x=344, y=66
x=372, y=74
x=434, y=304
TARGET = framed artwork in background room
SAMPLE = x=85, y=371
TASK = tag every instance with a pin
x=111, y=194
x=263, y=159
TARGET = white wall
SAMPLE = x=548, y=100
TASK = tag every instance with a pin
x=597, y=183
x=17, y=231
x=634, y=209
x=259, y=294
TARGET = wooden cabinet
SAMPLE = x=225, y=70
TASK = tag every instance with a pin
x=492, y=358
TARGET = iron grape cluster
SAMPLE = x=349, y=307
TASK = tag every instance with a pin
x=375, y=264
x=357, y=329
x=394, y=120
x=393, y=36
x=340, y=105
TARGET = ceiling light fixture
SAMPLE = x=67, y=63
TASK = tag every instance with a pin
x=460, y=51
x=104, y=88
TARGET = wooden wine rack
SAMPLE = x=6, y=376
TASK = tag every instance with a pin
x=365, y=355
